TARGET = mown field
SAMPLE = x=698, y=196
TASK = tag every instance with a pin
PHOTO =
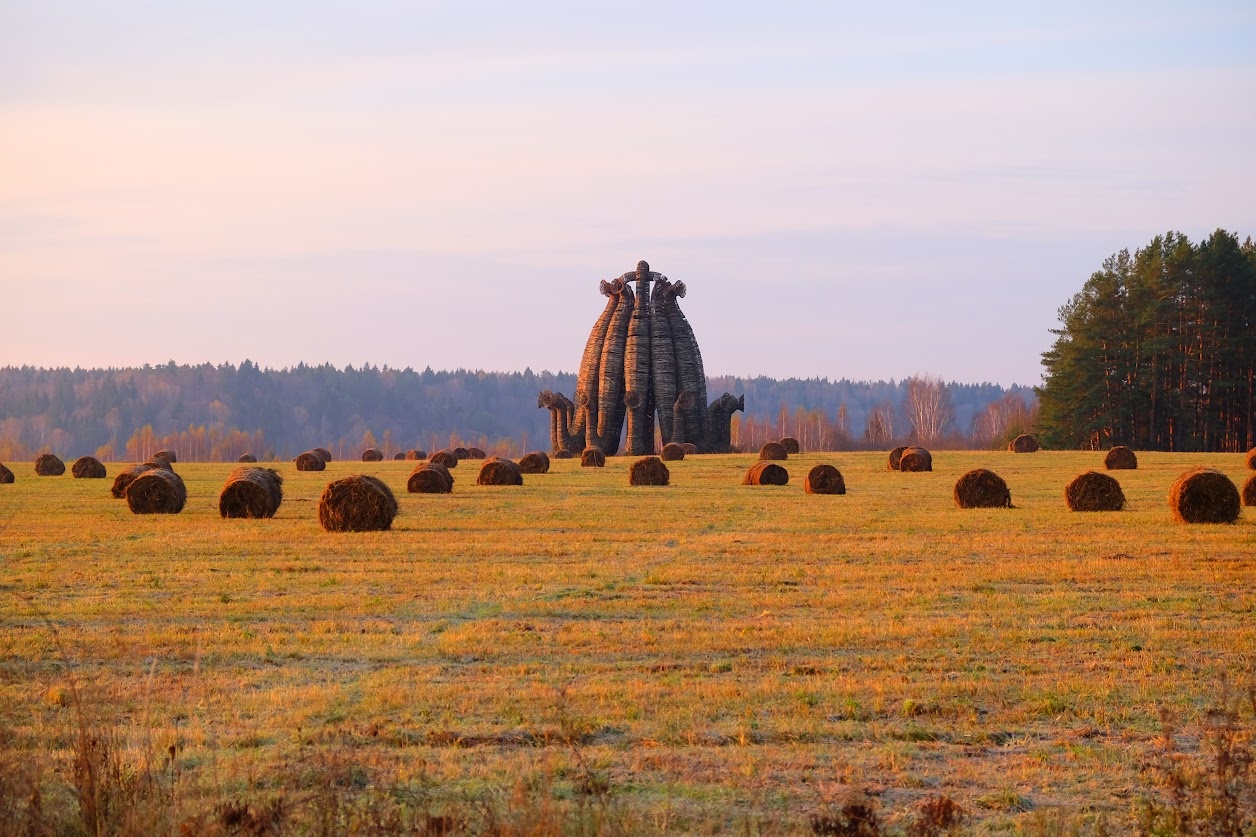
x=591, y=656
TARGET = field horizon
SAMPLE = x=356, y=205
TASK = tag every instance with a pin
x=704, y=656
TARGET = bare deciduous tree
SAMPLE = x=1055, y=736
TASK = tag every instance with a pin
x=880, y=427
x=928, y=408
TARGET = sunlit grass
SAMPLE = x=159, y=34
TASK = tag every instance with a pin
x=723, y=648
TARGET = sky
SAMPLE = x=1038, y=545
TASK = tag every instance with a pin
x=867, y=191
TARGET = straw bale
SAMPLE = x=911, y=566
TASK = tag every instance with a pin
x=371, y=455
x=982, y=489
x=251, y=493
x=497, y=471
x=156, y=491
x=1120, y=458
x=167, y=455
x=562, y=454
x=247, y=457
x=48, y=465
x=648, y=470
x=88, y=467
x=357, y=503
x=323, y=452
x=766, y=473
x=689, y=448
x=475, y=453
x=673, y=452
x=430, y=478
x=1204, y=495
x=444, y=457
x=310, y=461
x=416, y=455
x=915, y=460
x=1249, y=490
x=536, y=462
x=592, y=458
x=825, y=479
x=1023, y=443
x=6, y=476
x=895, y=456
x=124, y=479
x=461, y=453
x=791, y=445
x=773, y=450
x=1093, y=491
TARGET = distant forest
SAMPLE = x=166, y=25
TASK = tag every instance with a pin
x=1158, y=351
x=217, y=413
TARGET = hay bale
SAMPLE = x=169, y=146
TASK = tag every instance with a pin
x=371, y=455
x=430, y=478
x=982, y=489
x=444, y=457
x=124, y=479
x=1120, y=458
x=475, y=453
x=1023, y=443
x=88, y=468
x=766, y=473
x=773, y=450
x=1204, y=495
x=673, y=452
x=158, y=462
x=310, y=461
x=416, y=455
x=247, y=457
x=1249, y=489
x=562, y=454
x=895, y=456
x=592, y=458
x=357, y=503
x=167, y=455
x=648, y=470
x=496, y=471
x=6, y=476
x=1093, y=491
x=324, y=453
x=48, y=465
x=461, y=453
x=1251, y=459
x=536, y=462
x=825, y=479
x=690, y=448
x=399, y=456
x=791, y=445
x=251, y=492
x=915, y=460
x=156, y=491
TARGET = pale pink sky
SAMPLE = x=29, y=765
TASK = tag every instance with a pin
x=847, y=192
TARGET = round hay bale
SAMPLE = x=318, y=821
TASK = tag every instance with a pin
x=247, y=457
x=1251, y=459
x=88, y=468
x=310, y=461
x=648, y=470
x=673, y=452
x=251, y=492
x=497, y=471
x=895, y=456
x=461, y=453
x=158, y=462
x=371, y=455
x=1023, y=443
x=592, y=458
x=1249, y=489
x=124, y=479
x=357, y=503
x=48, y=465
x=1120, y=458
x=791, y=445
x=562, y=454
x=1093, y=491
x=982, y=489
x=323, y=453
x=690, y=448
x=536, y=462
x=156, y=491
x=167, y=455
x=416, y=455
x=475, y=453
x=1204, y=495
x=398, y=456
x=444, y=457
x=915, y=460
x=773, y=450
x=430, y=478
x=825, y=479
x=766, y=473
x=6, y=476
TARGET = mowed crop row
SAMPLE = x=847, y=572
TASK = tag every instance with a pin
x=717, y=652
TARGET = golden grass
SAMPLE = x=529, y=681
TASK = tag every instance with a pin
x=722, y=651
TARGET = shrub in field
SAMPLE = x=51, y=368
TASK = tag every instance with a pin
x=1204, y=495
x=357, y=503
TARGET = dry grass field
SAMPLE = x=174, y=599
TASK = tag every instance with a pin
x=577, y=655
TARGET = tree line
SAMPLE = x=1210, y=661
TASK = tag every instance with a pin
x=1158, y=351
x=212, y=412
